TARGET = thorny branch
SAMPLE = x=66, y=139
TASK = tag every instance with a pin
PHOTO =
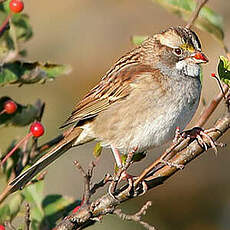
x=184, y=153
x=87, y=177
x=137, y=216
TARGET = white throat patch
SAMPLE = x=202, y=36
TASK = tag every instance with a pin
x=189, y=69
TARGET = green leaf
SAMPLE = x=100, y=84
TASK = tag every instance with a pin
x=224, y=70
x=208, y=19
x=22, y=28
x=4, y=213
x=97, y=149
x=137, y=39
x=15, y=204
x=34, y=195
x=24, y=115
x=17, y=31
x=30, y=72
x=56, y=206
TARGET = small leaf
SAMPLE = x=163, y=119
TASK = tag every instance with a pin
x=30, y=72
x=137, y=39
x=24, y=115
x=97, y=149
x=224, y=70
x=208, y=20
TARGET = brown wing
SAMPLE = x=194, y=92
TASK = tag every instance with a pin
x=114, y=86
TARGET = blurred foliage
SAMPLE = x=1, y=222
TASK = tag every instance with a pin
x=138, y=39
x=30, y=72
x=24, y=115
x=18, y=31
x=208, y=20
x=224, y=70
x=46, y=210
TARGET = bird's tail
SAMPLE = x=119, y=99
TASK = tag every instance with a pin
x=66, y=143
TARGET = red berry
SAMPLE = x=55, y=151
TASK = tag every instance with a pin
x=10, y=107
x=16, y=6
x=213, y=74
x=37, y=129
x=76, y=209
x=2, y=227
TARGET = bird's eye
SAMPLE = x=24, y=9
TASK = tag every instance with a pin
x=178, y=51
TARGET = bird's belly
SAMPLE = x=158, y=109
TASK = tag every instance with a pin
x=160, y=130
x=143, y=125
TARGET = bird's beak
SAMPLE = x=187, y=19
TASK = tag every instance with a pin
x=199, y=57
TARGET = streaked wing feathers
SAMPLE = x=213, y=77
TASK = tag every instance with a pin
x=116, y=85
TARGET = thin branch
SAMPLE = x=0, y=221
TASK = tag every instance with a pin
x=196, y=12
x=137, y=216
x=207, y=112
x=6, y=191
x=106, y=204
x=101, y=183
x=27, y=217
x=87, y=178
x=5, y=24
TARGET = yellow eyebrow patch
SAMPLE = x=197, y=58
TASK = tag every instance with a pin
x=188, y=47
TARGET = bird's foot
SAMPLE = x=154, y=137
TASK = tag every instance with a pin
x=203, y=138
x=121, y=171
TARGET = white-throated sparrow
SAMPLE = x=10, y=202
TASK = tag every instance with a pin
x=139, y=102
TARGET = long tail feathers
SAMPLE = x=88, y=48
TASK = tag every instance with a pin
x=65, y=144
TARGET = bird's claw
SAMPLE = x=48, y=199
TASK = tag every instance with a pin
x=199, y=134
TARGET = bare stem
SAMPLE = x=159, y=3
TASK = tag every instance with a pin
x=137, y=216
x=27, y=217
x=15, y=148
x=5, y=24
x=106, y=204
x=196, y=12
x=207, y=112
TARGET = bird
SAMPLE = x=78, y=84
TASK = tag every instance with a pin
x=138, y=103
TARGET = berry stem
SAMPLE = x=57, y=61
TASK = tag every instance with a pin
x=219, y=84
x=2, y=112
x=16, y=147
x=5, y=23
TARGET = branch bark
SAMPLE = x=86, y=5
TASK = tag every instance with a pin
x=185, y=152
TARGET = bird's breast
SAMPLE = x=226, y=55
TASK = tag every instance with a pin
x=148, y=118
